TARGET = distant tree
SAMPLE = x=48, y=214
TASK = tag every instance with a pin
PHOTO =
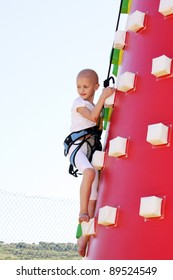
x=21, y=245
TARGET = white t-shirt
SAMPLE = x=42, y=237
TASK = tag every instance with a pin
x=77, y=121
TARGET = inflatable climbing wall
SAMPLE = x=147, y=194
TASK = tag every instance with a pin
x=134, y=212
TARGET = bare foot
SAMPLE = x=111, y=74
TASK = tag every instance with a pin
x=82, y=245
x=84, y=217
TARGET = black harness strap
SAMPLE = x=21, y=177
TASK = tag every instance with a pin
x=86, y=135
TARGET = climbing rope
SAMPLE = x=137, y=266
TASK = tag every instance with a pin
x=108, y=79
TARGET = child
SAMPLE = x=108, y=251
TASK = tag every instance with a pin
x=84, y=124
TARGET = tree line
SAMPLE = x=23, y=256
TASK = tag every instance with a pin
x=40, y=251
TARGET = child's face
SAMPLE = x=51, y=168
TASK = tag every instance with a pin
x=86, y=88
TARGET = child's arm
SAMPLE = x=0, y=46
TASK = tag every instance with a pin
x=95, y=113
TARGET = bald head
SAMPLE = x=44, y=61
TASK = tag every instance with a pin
x=90, y=74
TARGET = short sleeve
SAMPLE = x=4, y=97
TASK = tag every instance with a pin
x=78, y=122
x=79, y=102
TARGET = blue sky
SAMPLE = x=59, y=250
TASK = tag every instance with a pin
x=44, y=44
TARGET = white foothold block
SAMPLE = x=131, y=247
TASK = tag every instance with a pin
x=117, y=147
x=150, y=207
x=107, y=215
x=161, y=66
x=119, y=40
x=157, y=134
x=135, y=21
x=166, y=7
x=98, y=159
x=109, y=101
x=125, y=81
x=88, y=228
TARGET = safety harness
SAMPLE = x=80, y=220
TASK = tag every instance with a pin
x=85, y=135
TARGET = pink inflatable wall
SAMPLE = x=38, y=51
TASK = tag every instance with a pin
x=147, y=169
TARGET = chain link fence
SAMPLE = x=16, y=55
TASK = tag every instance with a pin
x=33, y=219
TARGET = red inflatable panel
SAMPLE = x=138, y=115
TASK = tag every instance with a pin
x=147, y=169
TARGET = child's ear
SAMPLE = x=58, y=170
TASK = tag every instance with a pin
x=97, y=86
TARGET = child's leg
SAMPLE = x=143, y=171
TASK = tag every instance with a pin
x=85, y=192
x=83, y=165
x=91, y=208
x=83, y=240
x=88, y=193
